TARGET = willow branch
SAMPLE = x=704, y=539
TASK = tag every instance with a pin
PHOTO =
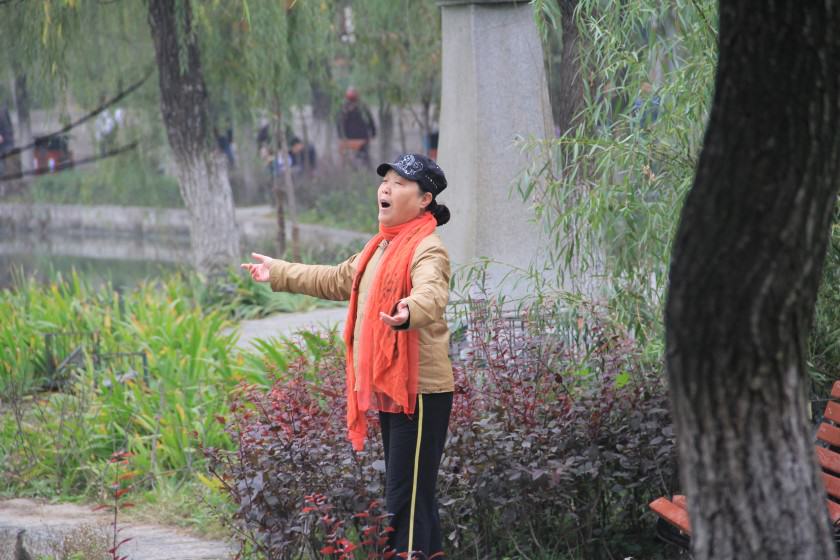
x=70, y=164
x=116, y=99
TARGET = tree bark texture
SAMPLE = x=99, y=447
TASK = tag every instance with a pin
x=567, y=82
x=202, y=175
x=745, y=270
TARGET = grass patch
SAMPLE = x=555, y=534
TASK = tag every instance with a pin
x=126, y=180
x=189, y=505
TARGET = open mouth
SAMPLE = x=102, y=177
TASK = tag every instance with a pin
x=384, y=204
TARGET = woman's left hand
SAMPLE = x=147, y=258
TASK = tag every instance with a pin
x=397, y=319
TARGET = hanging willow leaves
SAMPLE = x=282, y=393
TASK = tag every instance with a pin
x=609, y=189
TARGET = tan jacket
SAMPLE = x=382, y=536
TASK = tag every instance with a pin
x=430, y=292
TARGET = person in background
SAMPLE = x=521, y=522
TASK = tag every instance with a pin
x=301, y=156
x=224, y=142
x=397, y=340
x=107, y=125
x=356, y=127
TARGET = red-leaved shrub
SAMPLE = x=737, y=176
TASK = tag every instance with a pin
x=559, y=437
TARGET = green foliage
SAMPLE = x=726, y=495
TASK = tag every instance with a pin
x=239, y=297
x=162, y=409
x=824, y=342
x=193, y=504
x=610, y=191
x=262, y=58
x=83, y=47
x=396, y=53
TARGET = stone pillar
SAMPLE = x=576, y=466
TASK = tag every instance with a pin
x=494, y=91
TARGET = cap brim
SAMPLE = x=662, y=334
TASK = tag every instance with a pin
x=385, y=167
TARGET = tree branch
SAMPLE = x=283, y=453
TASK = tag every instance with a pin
x=70, y=164
x=705, y=19
x=85, y=118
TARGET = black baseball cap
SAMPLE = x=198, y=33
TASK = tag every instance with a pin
x=417, y=167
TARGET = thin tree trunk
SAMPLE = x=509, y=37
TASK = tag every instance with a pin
x=276, y=185
x=426, y=124
x=567, y=92
x=277, y=190
x=401, y=128
x=290, y=194
x=321, y=98
x=246, y=155
x=307, y=160
x=323, y=117
x=744, y=275
x=24, y=118
x=386, y=130
x=202, y=176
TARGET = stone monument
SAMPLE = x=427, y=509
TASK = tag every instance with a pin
x=494, y=92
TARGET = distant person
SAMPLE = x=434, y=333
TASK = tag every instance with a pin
x=7, y=137
x=302, y=156
x=225, y=144
x=355, y=127
x=107, y=125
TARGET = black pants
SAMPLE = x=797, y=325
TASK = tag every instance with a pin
x=399, y=437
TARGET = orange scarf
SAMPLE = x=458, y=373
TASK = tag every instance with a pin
x=388, y=359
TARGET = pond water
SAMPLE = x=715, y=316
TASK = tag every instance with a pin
x=123, y=262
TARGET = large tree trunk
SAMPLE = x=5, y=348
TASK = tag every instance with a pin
x=202, y=175
x=745, y=269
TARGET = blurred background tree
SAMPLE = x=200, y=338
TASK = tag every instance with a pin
x=276, y=71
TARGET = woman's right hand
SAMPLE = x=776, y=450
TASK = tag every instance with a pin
x=259, y=271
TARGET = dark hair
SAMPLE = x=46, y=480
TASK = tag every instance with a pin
x=439, y=211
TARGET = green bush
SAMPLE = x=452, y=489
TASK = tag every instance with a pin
x=147, y=371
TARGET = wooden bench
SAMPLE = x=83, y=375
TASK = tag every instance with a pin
x=673, y=525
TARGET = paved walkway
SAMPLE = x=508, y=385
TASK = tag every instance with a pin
x=47, y=524
x=286, y=324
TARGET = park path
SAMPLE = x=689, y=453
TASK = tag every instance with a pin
x=47, y=524
x=287, y=324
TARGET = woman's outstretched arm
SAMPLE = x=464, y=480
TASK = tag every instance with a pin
x=321, y=281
